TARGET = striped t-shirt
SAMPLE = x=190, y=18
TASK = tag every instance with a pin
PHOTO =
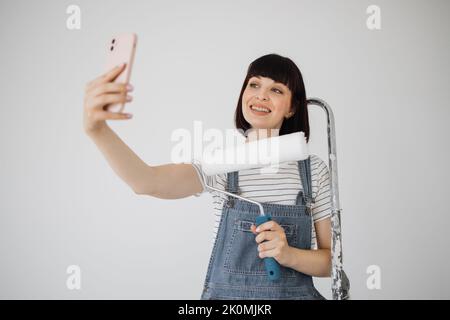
x=280, y=187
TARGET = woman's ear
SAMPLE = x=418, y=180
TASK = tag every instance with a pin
x=290, y=114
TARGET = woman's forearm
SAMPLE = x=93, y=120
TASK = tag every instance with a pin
x=127, y=165
x=316, y=263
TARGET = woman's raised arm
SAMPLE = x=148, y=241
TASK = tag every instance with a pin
x=169, y=181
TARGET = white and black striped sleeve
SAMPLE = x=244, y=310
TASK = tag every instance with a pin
x=210, y=180
x=321, y=208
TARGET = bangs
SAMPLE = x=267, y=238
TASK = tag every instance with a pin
x=279, y=70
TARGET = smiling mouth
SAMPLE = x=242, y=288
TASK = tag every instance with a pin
x=260, y=110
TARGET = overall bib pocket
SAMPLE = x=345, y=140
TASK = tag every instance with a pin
x=242, y=250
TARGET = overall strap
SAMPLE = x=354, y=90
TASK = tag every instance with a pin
x=232, y=186
x=232, y=182
x=305, y=197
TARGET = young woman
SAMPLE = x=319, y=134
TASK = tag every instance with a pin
x=272, y=99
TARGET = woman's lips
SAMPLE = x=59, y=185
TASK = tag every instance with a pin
x=259, y=113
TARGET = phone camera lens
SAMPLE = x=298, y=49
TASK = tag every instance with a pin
x=112, y=48
x=113, y=40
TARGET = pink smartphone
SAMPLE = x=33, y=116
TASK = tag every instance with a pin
x=121, y=48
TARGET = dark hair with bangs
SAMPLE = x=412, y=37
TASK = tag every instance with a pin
x=284, y=70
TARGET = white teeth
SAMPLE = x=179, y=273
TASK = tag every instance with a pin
x=260, y=109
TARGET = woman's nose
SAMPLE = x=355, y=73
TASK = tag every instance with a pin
x=261, y=96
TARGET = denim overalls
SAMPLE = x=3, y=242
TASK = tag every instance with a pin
x=235, y=270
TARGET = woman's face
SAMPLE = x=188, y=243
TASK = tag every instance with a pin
x=273, y=97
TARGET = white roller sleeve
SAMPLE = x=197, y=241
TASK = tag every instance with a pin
x=255, y=154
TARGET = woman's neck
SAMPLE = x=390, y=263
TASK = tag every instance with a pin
x=254, y=134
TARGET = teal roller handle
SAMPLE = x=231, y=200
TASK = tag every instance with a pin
x=271, y=265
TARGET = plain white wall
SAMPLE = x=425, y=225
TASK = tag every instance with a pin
x=63, y=205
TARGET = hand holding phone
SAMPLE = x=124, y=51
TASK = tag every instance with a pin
x=121, y=49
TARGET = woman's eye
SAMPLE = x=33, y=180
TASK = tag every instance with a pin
x=254, y=84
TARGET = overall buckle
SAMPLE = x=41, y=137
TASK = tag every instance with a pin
x=309, y=204
x=230, y=202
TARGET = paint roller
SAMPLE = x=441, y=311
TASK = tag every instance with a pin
x=264, y=153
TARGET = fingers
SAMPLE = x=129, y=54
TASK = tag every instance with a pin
x=275, y=252
x=266, y=235
x=273, y=247
x=105, y=115
x=100, y=101
x=106, y=77
x=269, y=225
x=111, y=87
x=269, y=245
